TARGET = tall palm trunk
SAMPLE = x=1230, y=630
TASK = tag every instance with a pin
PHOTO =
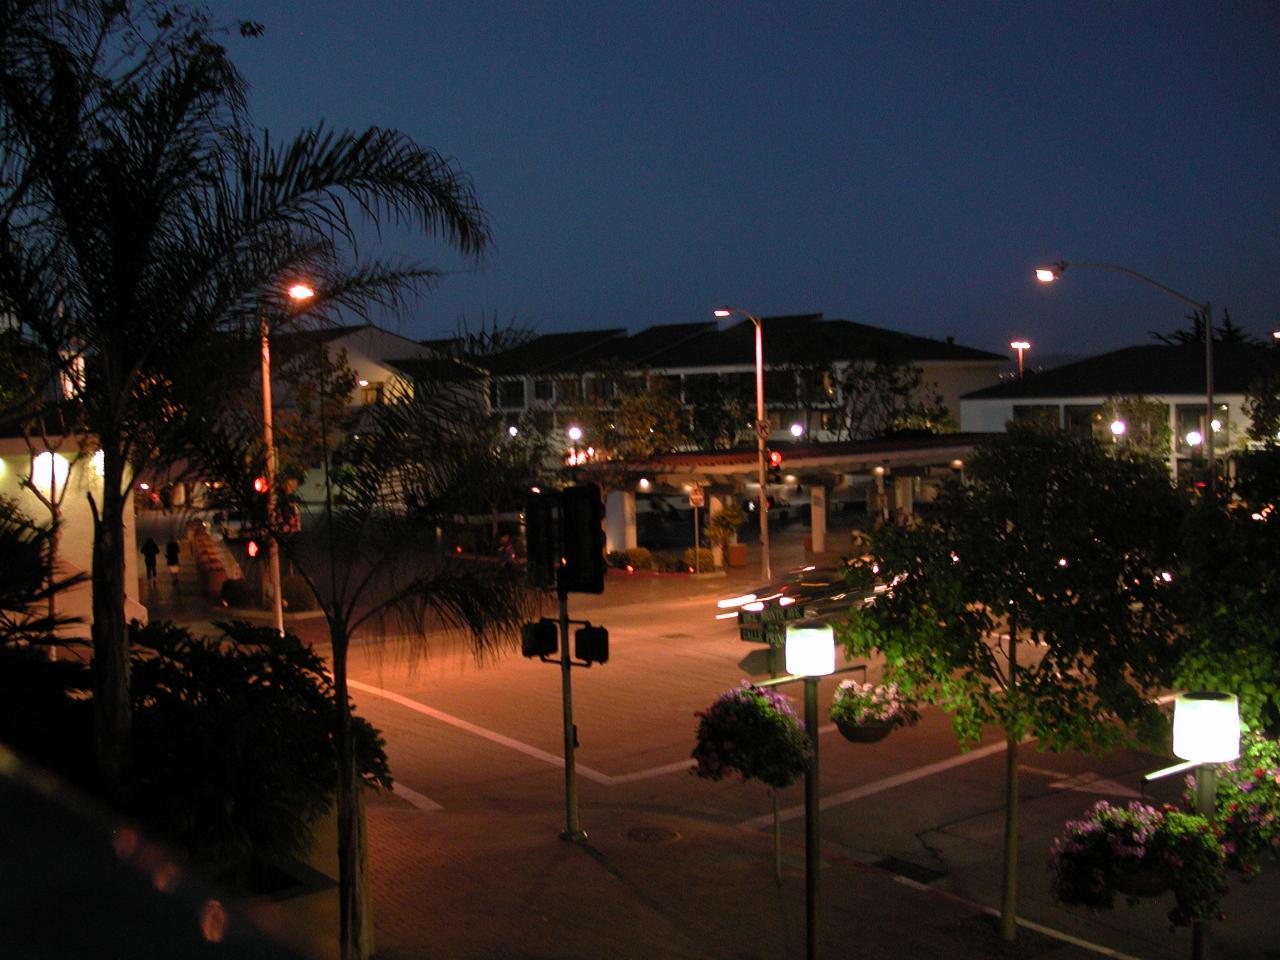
x=112, y=713
x=352, y=843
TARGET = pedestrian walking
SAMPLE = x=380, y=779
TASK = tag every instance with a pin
x=150, y=550
x=171, y=552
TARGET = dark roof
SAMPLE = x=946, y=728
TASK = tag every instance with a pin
x=440, y=367
x=554, y=353
x=792, y=339
x=1152, y=369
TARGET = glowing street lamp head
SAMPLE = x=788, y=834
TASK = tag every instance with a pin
x=796, y=430
x=1194, y=439
x=575, y=433
x=1046, y=274
x=1118, y=428
x=722, y=312
x=1020, y=344
x=300, y=292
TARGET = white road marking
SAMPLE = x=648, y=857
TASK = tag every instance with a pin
x=425, y=804
x=652, y=772
x=1065, y=937
x=527, y=749
x=888, y=783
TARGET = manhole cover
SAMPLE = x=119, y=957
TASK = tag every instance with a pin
x=652, y=835
x=912, y=871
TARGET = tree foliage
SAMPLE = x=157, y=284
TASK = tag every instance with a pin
x=870, y=398
x=1146, y=428
x=1032, y=597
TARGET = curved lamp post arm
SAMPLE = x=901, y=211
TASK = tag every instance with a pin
x=1049, y=274
x=762, y=435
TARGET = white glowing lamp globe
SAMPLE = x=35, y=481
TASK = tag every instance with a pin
x=811, y=651
x=1206, y=727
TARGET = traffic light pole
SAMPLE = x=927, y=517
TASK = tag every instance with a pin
x=572, y=830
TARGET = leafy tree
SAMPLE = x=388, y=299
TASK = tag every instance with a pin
x=1031, y=597
x=307, y=378
x=28, y=579
x=721, y=410
x=638, y=416
x=1262, y=405
x=1146, y=428
x=236, y=743
x=875, y=398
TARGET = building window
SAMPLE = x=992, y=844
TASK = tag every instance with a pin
x=507, y=393
x=543, y=390
x=1084, y=420
x=568, y=390
x=1046, y=413
x=372, y=393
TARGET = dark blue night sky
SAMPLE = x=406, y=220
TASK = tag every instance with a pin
x=900, y=164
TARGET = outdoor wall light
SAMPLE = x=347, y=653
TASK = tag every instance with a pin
x=644, y=483
x=1194, y=439
x=811, y=651
x=1118, y=427
x=1206, y=726
x=513, y=431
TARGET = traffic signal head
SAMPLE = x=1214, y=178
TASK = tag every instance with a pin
x=253, y=548
x=582, y=539
x=591, y=644
x=775, y=466
x=259, y=484
x=539, y=639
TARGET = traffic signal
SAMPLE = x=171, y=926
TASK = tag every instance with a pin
x=775, y=466
x=582, y=539
x=542, y=536
x=591, y=644
x=252, y=549
x=539, y=639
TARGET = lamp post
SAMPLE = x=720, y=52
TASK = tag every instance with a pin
x=1021, y=346
x=762, y=435
x=298, y=293
x=1051, y=273
x=1206, y=732
x=811, y=654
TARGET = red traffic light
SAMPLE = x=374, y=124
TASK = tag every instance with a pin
x=253, y=548
x=775, y=458
x=259, y=484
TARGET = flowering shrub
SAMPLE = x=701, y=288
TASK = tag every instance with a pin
x=1248, y=804
x=1090, y=862
x=754, y=733
x=866, y=703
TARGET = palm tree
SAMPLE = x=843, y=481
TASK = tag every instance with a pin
x=142, y=219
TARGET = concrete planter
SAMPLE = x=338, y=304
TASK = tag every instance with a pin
x=736, y=555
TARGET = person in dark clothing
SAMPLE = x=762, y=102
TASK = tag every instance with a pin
x=150, y=550
x=171, y=552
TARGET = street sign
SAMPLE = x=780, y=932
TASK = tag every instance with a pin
x=697, y=498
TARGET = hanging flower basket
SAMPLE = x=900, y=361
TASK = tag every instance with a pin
x=863, y=732
x=868, y=712
x=1140, y=851
x=1143, y=881
x=754, y=733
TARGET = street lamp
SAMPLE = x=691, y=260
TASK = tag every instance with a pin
x=811, y=654
x=1021, y=346
x=1206, y=732
x=1051, y=273
x=762, y=435
x=298, y=293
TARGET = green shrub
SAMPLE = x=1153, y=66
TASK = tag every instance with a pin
x=669, y=563
x=234, y=745
x=296, y=594
x=617, y=559
x=706, y=559
x=640, y=558
x=237, y=594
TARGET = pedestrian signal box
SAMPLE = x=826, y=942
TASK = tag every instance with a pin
x=564, y=533
x=540, y=639
x=591, y=644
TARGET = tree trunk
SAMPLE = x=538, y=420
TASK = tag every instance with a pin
x=1009, y=889
x=352, y=847
x=112, y=712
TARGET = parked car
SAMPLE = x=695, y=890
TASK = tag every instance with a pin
x=812, y=593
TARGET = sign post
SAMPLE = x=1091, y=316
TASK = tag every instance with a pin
x=696, y=500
